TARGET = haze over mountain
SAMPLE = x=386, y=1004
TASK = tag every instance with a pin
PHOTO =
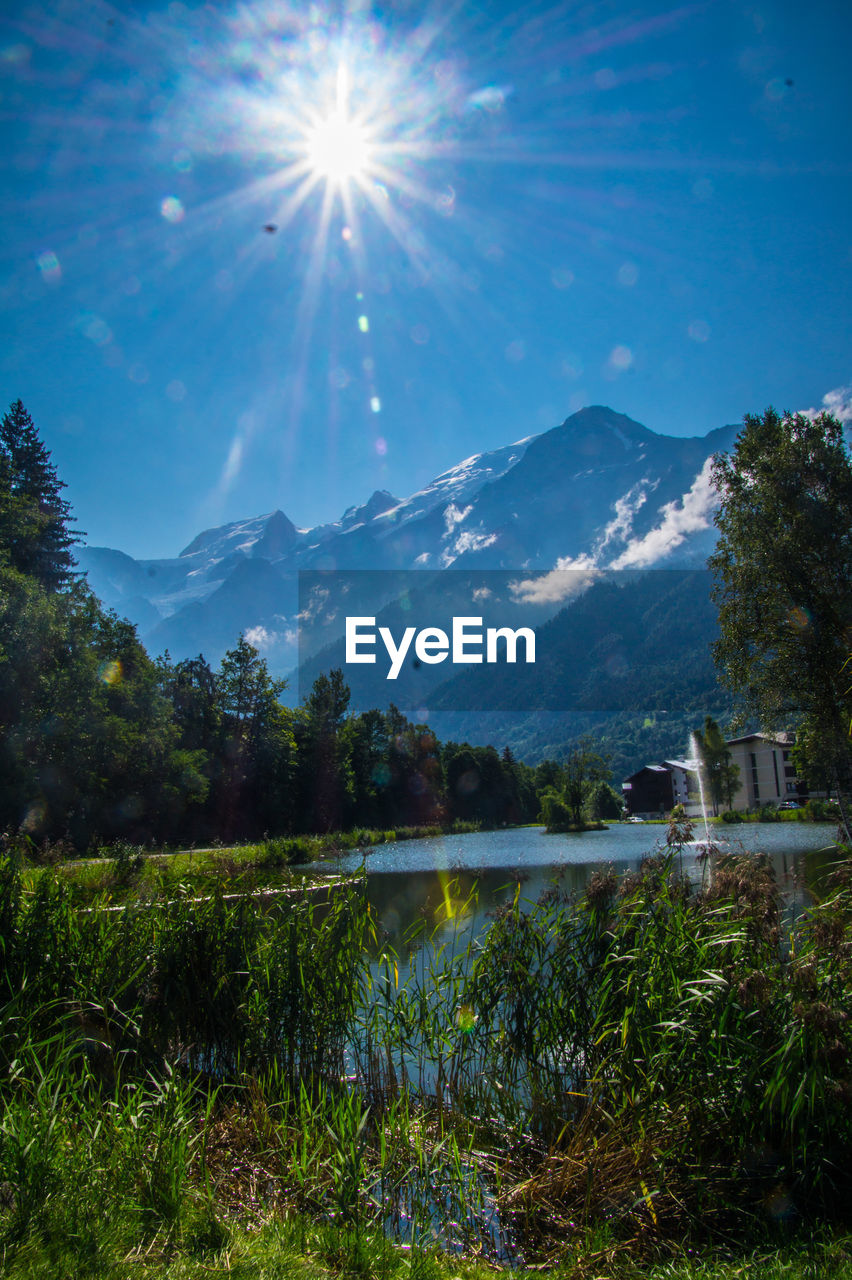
x=600, y=490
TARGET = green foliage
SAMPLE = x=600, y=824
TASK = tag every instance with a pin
x=86, y=740
x=578, y=789
x=604, y=802
x=34, y=524
x=722, y=775
x=555, y=813
x=783, y=567
x=651, y=1062
x=821, y=811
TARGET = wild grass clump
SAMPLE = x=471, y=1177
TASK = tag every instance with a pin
x=657, y=1057
x=656, y=1061
x=716, y=1065
x=814, y=810
x=283, y=851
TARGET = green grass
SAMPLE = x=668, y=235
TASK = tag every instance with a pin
x=600, y=1086
x=124, y=873
x=298, y=1248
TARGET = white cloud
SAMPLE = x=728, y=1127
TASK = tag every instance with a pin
x=626, y=507
x=467, y=541
x=689, y=514
x=454, y=515
x=570, y=578
x=470, y=541
x=490, y=98
x=572, y=575
x=315, y=604
x=260, y=638
x=263, y=639
x=837, y=402
x=569, y=564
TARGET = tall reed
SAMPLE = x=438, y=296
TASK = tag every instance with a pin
x=654, y=1056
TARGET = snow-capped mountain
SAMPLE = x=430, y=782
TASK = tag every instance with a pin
x=600, y=490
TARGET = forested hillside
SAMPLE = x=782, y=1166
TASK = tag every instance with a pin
x=99, y=742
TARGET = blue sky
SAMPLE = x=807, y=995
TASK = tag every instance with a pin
x=543, y=207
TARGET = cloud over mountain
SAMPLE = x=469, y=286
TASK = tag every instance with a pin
x=837, y=402
x=691, y=514
x=597, y=491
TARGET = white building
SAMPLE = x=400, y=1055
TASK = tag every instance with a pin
x=767, y=772
x=681, y=771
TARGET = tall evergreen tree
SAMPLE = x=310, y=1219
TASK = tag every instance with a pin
x=326, y=781
x=40, y=540
x=721, y=773
x=255, y=730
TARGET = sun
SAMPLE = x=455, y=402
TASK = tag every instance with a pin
x=338, y=144
x=338, y=149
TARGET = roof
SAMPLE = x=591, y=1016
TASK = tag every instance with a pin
x=648, y=768
x=779, y=739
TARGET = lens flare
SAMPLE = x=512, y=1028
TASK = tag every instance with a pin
x=453, y=907
x=466, y=1019
x=799, y=618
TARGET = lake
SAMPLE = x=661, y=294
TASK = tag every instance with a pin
x=432, y=897
x=428, y=881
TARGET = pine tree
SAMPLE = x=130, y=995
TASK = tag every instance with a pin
x=38, y=538
x=326, y=780
x=254, y=732
x=721, y=773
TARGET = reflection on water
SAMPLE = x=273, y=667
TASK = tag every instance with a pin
x=479, y=1041
x=455, y=883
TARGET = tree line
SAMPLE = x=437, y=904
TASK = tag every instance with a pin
x=100, y=742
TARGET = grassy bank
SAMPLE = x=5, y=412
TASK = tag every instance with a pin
x=125, y=872
x=298, y=1248
x=601, y=1086
x=813, y=811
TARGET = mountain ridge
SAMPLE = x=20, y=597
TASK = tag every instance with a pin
x=599, y=489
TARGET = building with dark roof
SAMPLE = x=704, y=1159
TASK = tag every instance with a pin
x=650, y=791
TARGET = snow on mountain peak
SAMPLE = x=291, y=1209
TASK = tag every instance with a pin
x=266, y=535
x=599, y=490
x=458, y=483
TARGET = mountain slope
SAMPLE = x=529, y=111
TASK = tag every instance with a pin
x=598, y=490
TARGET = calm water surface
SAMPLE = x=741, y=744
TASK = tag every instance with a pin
x=428, y=881
x=432, y=897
